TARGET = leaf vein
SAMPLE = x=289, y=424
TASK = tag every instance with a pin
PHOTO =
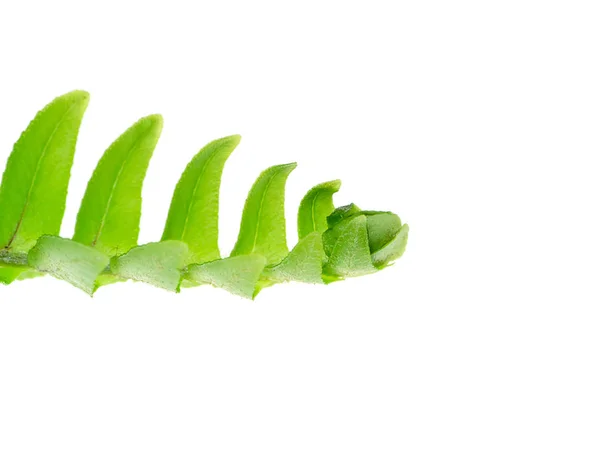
x=35, y=173
x=112, y=191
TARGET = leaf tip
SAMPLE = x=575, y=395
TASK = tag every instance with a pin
x=288, y=167
x=334, y=185
x=154, y=120
x=152, y=124
x=234, y=138
x=77, y=97
x=78, y=94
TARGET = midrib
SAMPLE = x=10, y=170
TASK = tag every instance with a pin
x=35, y=173
x=260, y=206
x=112, y=190
x=192, y=199
x=312, y=212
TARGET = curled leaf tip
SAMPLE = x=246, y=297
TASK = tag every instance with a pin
x=194, y=212
x=315, y=207
x=234, y=138
x=262, y=229
x=155, y=120
x=359, y=242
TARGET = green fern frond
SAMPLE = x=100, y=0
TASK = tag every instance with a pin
x=332, y=243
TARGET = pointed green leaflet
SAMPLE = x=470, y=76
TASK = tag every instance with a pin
x=194, y=212
x=109, y=216
x=34, y=185
x=314, y=208
x=262, y=229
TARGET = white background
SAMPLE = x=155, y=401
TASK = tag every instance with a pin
x=476, y=121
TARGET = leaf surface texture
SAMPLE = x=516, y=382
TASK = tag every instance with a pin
x=194, y=213
x=262, y=229
x=34, y=185
x=109, y=216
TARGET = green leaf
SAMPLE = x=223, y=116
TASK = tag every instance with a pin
x=194, y=212
x=386, y=240
x=109, y=216
x=68, y=260
x=350, y=255
x=304, y=263
x=382, y=227
x=314, y=208
x=35, y=181
x=107, y=277
x=262, y=229
x=333, y=243
x=236, y=274
x=29, y=274
x=342, y=213
x=157, y=263
x=394, y=249
x=331, y=236
x=13, y=266
x=10, y=273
